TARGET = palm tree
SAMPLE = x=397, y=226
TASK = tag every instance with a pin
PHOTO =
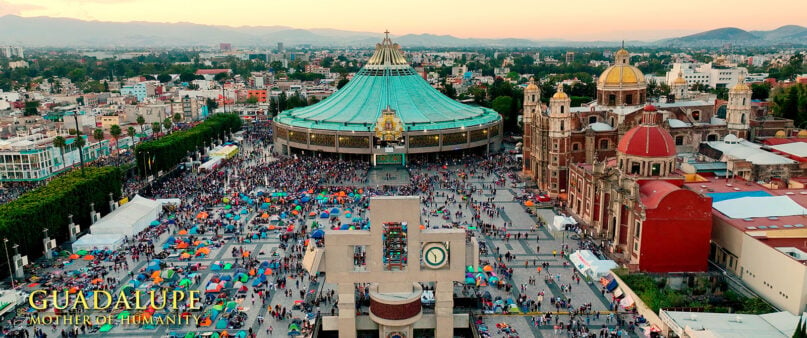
x=131, y=133
x=167, y=124
x=60, y=143
x=80, y=145
x=115, y=132
x=141, y=121
x=98, y=135
x=155, y=127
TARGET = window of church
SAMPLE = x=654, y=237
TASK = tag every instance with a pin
x=696, y=115
x=603, y=144
x=679, y=140
x=635, y=168
x=592, y=119
x=742, y=118
x=711, y=137
x=575, y=146
x=655, y=169
x=611, y=100
x=637, y=229
x=629, y=99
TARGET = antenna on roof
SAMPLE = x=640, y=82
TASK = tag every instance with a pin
x=623, y=44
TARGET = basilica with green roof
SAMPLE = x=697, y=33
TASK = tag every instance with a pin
x=386, y=114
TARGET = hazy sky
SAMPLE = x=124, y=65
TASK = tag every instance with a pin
x=533, y=19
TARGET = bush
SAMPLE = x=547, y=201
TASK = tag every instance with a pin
x=166, y=152
x=22, y=220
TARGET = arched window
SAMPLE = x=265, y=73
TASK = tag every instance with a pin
x=592, y=119
x=743, y=101
x=562, y=126
x=603, y=144
x=679, y=140
x=655, y=169
x=575, y=146
x=562, y=109
x=742, y=118
x=533, y=98
x=696, y=115
x=629, y=99
x=711, y=137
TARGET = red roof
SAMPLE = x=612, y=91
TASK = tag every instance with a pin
x=647, y=141
x=652, y=192
x=211, y=71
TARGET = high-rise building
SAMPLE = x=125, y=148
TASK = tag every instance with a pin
x=225, y=47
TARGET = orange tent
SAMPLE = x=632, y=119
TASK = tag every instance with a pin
x=185, y=255
x=265, y=215
x=206, y=322
x=295, y=212
x=74, y=256
x=267, y=272
x=73, y=290
x=245, y=254
x=204, y=250
x=271, y=227
x=487, y=268
x=529, y=203
x=183, y=232
x=158, y=280
x=182, y=245
x=155, y=274
x=252, y=272
x=97, y=281
x=89, y=257
x=422, y=227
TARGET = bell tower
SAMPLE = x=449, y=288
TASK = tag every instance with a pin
x=560, y=132
x=738, y=110
x=532, y=108
x=679, y=87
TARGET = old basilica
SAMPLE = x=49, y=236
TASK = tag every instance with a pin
x=613, y=162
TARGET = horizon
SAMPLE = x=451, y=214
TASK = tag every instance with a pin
x=455, y=18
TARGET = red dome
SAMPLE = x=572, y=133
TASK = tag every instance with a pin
x=649, y=107
x=647, y=141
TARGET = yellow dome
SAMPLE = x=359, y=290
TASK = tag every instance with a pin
x=622, y=52
x=741, y=87
x=802, y=133
x=780, y=134
x=621, y=75
x=680, y=80
x=531, y=85
x=560, y=95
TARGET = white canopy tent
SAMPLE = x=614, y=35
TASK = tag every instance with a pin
x=129, y=219
x=104, y=242
x=559, y=223
x=590, y=265
x=211, y=164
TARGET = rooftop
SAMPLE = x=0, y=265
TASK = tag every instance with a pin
x=387, y=81
x=707, y=324
x=749, y=151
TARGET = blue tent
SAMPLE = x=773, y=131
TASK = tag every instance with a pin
x=155, y=222
x=318, y=234
x=265, y=205
x=244, y=211
x=305, y=199
x=335, y=211
x=344, y=227
x=323, y=215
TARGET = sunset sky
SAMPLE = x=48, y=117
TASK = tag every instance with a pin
x=532, y=19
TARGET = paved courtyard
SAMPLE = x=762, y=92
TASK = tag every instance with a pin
x=535, y=247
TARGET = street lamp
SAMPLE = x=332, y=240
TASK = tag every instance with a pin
x=8, y=260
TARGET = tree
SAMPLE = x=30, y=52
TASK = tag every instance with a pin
x=155, y=127
x=164, y=78
x=211, y=104
x=449, y=91
x=31, y=108
x=252, y=99
x=141, y=121
x=61, y=143
x=115, y=132
x=502, y=105
x=760, y=91
x=131, y=133
x=281, y=102
x=167, y=124
x=80, y=145
x=98, y=134
x=177, y=117
x=341, y=83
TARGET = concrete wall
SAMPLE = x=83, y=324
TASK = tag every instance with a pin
x=642, y=308
x=774, y=275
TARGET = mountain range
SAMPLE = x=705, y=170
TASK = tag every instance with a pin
x=65, y=32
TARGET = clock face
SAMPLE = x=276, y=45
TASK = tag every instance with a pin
x=435, y=256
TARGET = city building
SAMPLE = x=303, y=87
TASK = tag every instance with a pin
x=392, y=263
x=636, y=206
x=34, y=158
x=709, y=324
x=709, y=74
x=12, y=51
x=388, y=114
x=759, y=235
x=139, y=90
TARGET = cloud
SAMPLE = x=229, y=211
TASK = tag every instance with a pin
x=7, y=8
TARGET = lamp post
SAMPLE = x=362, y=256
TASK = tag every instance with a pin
x=8, y=260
